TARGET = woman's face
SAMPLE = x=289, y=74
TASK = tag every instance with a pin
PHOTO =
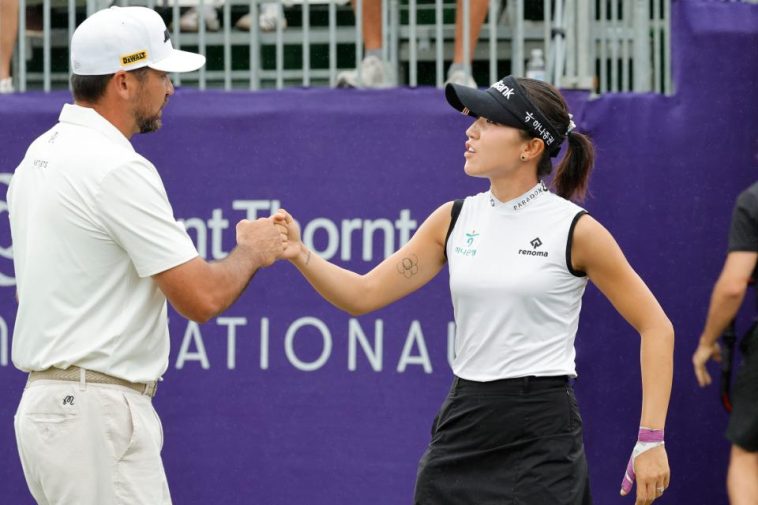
x=492, y=149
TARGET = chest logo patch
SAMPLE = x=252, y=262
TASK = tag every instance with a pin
x=468, y=250
x=535, y=243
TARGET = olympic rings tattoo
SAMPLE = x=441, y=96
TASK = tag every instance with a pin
x=408, y=267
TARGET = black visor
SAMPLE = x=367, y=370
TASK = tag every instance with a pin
x=506, y=103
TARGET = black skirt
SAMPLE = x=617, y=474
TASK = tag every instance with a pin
x=506, y=442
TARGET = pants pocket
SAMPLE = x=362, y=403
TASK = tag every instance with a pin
x=575, y=418
x=160, y=427
x=47, y=414
x=120, y=425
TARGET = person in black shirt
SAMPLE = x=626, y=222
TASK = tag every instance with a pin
x=728, y=293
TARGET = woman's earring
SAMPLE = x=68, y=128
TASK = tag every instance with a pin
x=523, y=157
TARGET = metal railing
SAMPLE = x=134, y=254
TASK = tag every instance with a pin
x=602, y=45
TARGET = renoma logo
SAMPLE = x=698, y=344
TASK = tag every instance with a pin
x=535, y=243
x=468, y=250
x=5, y=234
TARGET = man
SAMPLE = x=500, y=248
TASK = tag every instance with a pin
x=728, y=293
x=97, y=253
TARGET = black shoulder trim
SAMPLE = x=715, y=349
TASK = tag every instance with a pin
x=570, y=240
x=454, y=213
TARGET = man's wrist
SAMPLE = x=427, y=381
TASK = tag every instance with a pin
x=707, y=340
x=248, y=254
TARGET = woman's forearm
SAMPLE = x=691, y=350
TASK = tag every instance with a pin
x=342, y=288
x=657, y=364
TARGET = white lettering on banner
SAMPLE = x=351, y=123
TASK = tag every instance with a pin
x=450, y=343
x=289, y=347
x=201, y=235
x=6, y=252
x=3, y=342
x=368, y=237
x=415, y=335
x=348, y=227
x=356, y=334
x=217, y=224
x=231, y=324
x=192, y=335
x=253, y=206
x=208, y=234
x=264, y=343
x=332, y=233
x=405, y=225
x=414, y=351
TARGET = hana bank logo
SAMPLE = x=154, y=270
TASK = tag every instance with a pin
x=5, y=233
x=468, y=250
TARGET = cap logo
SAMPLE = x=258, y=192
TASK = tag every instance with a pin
x=503, y=89
x=539, y=129
x=131, y=59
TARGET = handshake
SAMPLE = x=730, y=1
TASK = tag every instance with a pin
x=269, y=239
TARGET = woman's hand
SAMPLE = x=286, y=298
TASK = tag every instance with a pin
x=288, y=227
x=652, y=473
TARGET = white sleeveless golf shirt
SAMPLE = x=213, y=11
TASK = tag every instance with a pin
x=515, y=296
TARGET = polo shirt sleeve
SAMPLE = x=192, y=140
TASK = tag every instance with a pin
x=743, y=234
x=135, y=210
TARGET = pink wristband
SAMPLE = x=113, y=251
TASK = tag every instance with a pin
x=649, y=435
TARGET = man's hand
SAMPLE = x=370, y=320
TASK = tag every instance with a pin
x=652, y=473
x=703, y=353
x=262, y=239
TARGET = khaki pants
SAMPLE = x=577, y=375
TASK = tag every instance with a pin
x=97, y=444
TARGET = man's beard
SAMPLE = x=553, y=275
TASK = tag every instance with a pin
x=147, y=124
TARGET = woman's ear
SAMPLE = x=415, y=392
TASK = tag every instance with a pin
x=533, y=150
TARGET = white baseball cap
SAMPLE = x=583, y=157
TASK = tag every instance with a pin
x=127, y=38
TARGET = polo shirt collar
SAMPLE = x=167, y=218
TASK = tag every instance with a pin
x=519, y=203
x=89, y=118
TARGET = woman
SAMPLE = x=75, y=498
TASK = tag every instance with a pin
x=519, y=258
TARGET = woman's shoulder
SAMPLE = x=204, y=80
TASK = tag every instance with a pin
x=476, y=199
x=563, y=206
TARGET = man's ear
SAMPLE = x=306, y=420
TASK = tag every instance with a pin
x=123, y=84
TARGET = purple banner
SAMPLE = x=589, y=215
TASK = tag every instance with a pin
x=285, y=401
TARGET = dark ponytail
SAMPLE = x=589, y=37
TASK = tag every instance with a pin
x=573, y=173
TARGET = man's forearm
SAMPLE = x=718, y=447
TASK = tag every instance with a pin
x=231, y=276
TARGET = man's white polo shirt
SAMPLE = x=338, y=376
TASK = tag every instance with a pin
x=91, y=223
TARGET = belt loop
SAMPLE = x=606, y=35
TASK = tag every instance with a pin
x=527, y=384
x=82, y=379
